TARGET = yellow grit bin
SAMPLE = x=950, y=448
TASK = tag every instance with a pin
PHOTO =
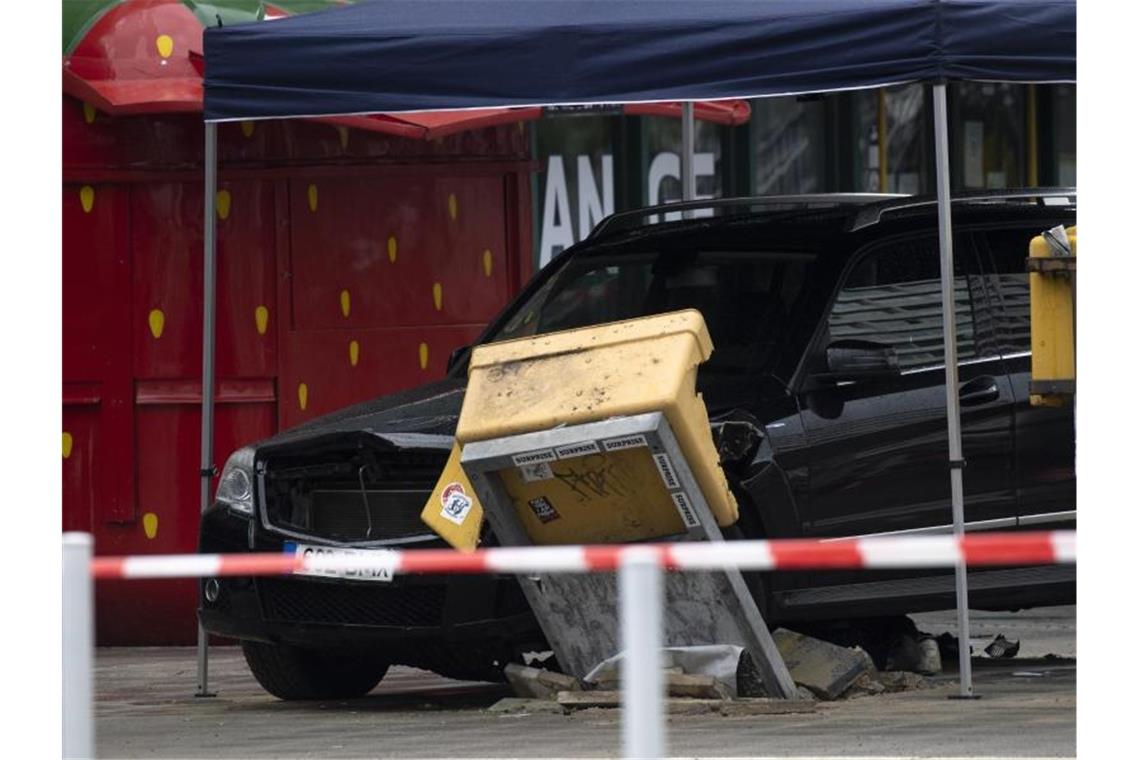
x=599, y=490
x=1052, y=324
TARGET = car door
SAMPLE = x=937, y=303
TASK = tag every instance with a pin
x=1045, y=441
x=877, y=445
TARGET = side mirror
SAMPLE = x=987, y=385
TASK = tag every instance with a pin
x=456, y=357
x=860, y=360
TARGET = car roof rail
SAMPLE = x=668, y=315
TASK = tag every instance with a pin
x=626, y=219
x=872, y=214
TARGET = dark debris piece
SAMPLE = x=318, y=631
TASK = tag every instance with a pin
x=1002, y=648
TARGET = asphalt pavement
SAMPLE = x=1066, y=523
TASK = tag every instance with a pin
x=145, y=707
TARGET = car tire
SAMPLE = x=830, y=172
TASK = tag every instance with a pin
x=291, y=673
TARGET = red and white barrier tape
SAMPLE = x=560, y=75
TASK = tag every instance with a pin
x=1035, y=548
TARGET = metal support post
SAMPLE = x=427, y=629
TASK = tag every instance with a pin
x=78, y=647
x=642, y=686
x=950, y=348
x=209, y=301
x=688, y=154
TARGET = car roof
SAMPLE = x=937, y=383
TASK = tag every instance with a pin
x=810, y=217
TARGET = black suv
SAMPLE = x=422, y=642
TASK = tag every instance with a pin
x=827, y=369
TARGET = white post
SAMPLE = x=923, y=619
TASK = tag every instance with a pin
x=950, y=352
x=78, y=647
x=642, y=688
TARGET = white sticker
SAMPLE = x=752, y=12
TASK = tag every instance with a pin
x=578, y=449
x=456, y=503
x=665, y=467
x=531, y=473
x=625, y=442
x=688, y=516
x=534, y=457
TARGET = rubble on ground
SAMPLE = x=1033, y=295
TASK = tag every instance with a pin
x=822, y=670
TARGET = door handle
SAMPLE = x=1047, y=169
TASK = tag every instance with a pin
x=980, y=390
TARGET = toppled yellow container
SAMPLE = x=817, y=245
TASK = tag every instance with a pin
x=589, y=375
x=1052, y=322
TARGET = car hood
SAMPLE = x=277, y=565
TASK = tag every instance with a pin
x=431, y=409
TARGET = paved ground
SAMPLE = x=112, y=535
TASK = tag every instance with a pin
x=145, y=708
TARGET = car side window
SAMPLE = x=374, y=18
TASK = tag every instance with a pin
x=1007, y=284
x=893, y=297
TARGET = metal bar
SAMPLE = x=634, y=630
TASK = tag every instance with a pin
x=950, y=347
x=882, y=130
x=78, y=647
x=1031, y=135
x=209, y=305
x=642, y=686
x=688, y=150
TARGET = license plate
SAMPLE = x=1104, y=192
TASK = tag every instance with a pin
x=384, y=575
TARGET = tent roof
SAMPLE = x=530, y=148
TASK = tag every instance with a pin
x=413, y=55
x=143, y=57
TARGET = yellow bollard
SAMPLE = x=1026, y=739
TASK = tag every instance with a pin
x=1052, y=318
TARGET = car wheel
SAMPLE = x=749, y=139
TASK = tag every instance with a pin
x=289, y=672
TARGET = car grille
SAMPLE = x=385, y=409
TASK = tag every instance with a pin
x=359, y=603
x=354, y=496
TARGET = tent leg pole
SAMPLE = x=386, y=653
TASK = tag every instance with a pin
x=209, y=298
x=688, y=150
x=950, y=350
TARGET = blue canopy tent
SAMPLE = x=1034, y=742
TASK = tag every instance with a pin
x=414, y=55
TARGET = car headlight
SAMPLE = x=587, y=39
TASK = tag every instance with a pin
x=235, y=489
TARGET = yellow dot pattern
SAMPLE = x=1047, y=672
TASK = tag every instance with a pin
x=345, y=303
x=353, y=352
x=313, y=198
x=150, y=525
x=88, y=113
x=164, y=43
x=87, y=198
x=452, y=207
x=437, y=296
x=247, y=128
x=487, y=262
x=68, y=442
x=303, y=396
x=261, y=319
x=157, y=321
x=392, y=248
x=222, y=204
x=423, y=355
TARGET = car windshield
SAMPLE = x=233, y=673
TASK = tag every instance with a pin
x=752, y=301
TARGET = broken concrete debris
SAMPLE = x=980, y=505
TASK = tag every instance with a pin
x=522, y=706
x=535, y=683
x=824, y=668
x=916, y=655
x=585, y=700
x=894, y=643
x=901, y=680
x=822, y=671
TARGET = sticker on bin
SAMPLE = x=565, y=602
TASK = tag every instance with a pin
x=534, y=457
x=685, y=509
x=665, y=467
x=625, y=442
x=381, y=574
x=543, y=509
x=533, y=473
x=578, y=449
x=456, y=503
